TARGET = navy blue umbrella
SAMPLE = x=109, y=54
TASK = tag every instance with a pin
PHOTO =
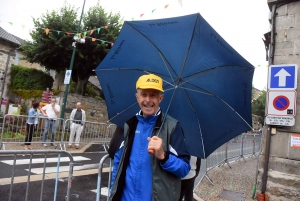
x=208, y=85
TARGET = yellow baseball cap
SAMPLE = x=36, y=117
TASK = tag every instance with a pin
x=149, y=81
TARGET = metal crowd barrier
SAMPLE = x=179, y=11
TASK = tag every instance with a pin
x=92, y=133
x=100, y=171
x=38, y=191
x=244, y=145
x=13, y=130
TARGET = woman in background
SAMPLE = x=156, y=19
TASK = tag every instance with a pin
x=32, y=119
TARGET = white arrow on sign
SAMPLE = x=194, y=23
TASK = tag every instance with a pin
x=282, y=74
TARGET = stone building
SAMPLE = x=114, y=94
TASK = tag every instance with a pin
x=10, y=54
x=280, y=161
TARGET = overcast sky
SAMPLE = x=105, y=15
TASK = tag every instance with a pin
x=241, y=23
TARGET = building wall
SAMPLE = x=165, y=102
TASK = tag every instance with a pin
x=14, y=60
x=283, y=181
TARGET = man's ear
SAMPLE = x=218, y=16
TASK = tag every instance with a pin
x=161, y=97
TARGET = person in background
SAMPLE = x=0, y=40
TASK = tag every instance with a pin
x=138, y=175
x=77, y=120
x=32, y=117
x=50, y=111
x=22, y=106
x=187, y=183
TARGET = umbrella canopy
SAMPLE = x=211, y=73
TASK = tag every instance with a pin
x=208, y=85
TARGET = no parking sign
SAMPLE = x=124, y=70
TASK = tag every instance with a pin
x=281, y=103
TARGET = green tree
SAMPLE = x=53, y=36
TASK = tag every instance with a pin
x=90, y=54
x=55, y=49
x=258, y=107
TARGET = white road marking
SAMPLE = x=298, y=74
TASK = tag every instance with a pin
x=104, y=191
x=62, y=168
x=41, y=160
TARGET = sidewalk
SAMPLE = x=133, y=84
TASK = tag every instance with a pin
x=239, y=179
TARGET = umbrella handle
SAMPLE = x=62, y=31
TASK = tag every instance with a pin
x=151, y=151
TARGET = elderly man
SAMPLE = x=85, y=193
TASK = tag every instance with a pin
x=138, y=175
x=77, y=119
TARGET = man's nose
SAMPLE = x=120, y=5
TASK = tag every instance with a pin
x=148, y=98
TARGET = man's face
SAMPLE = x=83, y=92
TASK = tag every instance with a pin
x=22, y=101
x=78, y=106
x=53, y=101
x=149, y=100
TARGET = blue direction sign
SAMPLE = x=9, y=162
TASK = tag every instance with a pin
x=283, y=77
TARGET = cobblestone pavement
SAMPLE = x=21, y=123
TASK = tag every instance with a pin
x=240, y=179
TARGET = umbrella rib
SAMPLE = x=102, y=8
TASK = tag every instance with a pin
x=188, y=100
x=155, y=47
x=209, y=93
x=183, y=65
x=166, y=66
x=122, y=111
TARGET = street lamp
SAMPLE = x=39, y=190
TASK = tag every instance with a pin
x=62, y=114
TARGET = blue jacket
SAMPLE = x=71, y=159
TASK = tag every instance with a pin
x=138, y=180
x=32, y=116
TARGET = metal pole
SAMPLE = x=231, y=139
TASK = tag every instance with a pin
x=62, y=114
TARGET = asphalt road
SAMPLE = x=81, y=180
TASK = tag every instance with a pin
x=84, y=182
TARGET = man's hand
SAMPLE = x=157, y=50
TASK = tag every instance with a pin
x=155, y=143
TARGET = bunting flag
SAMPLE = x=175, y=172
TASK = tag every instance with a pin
x=81, y=35
x=98, y=29
x=91, y=32
x=153, y=10
x=47, y=31
x=10, y=23
x=166, y=6
x=142, y=15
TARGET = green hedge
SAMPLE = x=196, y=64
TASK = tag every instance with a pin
x=29, y=79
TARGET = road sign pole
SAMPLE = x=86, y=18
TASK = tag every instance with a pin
x=62, y=114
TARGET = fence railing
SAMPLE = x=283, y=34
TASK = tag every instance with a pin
x=37, y=190
x=14, y=131
x=245, y=145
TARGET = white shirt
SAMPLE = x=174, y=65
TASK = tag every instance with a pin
x=50, y=111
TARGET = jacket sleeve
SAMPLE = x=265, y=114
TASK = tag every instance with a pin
x=84, y=116
x=179, y=158
x=115, y=141
x=117, y=158
x=72, y=116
